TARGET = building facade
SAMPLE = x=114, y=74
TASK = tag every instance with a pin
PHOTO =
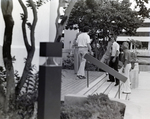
x=142, y=35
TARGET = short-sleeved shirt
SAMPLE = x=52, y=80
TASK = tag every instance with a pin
x=83, y=39
x=115, y=48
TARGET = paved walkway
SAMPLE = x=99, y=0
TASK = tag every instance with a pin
x=141, y=96
x=138, y=107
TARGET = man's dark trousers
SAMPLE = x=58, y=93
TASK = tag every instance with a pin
x=114, y=65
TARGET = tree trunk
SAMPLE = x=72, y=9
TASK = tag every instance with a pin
x=60, y=27
x=7, y=7
x=30, y=48
x=26, y=71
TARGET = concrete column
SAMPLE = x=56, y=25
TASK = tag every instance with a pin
x=49, y=90
x=149, y=46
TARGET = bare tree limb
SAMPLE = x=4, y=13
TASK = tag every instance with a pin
x=29, y=51
x=61, y=26
x=33, y=23
x=24, y=18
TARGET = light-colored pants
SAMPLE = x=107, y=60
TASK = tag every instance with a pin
x=76, y=60
x=82, y=52
x=126, y=85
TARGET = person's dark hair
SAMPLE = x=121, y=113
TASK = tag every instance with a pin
x=86, y=29
x=80, y=29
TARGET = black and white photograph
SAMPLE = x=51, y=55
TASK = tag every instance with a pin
x=74, y=59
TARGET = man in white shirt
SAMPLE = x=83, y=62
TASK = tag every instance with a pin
x=83, y=42
x=113, y=63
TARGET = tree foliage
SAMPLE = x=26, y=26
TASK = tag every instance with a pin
x=143, y=10
x=105, y=15
x=24, y=106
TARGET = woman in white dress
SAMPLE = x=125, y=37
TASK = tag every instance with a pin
x=126, y=67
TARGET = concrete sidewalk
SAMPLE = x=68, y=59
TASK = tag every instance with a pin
x=141, y=96
x=138, y=107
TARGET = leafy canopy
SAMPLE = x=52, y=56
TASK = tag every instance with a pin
x=104, y=16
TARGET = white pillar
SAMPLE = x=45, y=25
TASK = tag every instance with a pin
x=148, y=45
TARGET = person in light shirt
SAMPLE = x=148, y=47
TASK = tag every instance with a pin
x=83, y=42
x=114, y=59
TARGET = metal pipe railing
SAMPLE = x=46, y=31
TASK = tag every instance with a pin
x=87, y=78
x=107, y=69
x=119, y=90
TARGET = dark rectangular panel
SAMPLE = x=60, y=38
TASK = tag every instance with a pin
x=49, y=92
x=41, y=94
x=50, y=49
x=105, y=67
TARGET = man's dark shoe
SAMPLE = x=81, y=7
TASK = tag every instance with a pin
x=81, y=77
x=110, y=81
x=126, y=92
x=116, y=84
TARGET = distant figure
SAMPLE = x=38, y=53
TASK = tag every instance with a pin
x=126, y=67
x=106, y=57
x=114, y=59
x=83, y=42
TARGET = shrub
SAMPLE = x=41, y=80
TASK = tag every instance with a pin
x=68, y=63
x=23, y=107
x=100, y=104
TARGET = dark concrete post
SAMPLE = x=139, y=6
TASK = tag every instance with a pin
x=49, y=91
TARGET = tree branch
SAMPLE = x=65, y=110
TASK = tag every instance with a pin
x=60, y=26
x=33, y=23
x=30, y=54
x=24, y=20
